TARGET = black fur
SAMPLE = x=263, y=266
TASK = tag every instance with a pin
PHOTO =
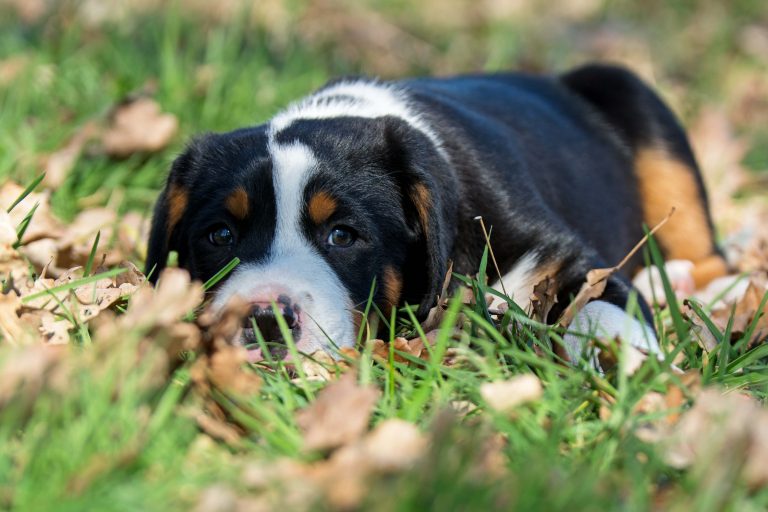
x=546, y=161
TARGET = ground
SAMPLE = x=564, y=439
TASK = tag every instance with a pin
x=117, y=397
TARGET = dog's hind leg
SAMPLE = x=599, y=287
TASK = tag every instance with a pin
x=664, y=165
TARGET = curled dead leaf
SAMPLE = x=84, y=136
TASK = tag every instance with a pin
x=745, y=311
x=58, y=164
x=339, y=415
x=394, y=445
x=504, y=396
x=722, y=432
x=138, y=126
x=174, y=296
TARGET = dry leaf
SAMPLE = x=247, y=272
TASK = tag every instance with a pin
x=699, y=330
x=26, y=370
x=747, y=308
x=174, y=296
x=394, y=445
x=59, y=163
x=226, y=371
x=505, y=395
x=592, y=288
x=11, y=68
x=543, y=299
x=138, y=126
x=722, y=431
x=339, y=415
x=12, y=330
x=43, y=224
x=608, y=355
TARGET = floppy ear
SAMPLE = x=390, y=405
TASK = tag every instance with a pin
x=169, y=209
x=428, y=191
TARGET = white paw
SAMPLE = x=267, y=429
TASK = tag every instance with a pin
x=680, y=274
x=607, y=321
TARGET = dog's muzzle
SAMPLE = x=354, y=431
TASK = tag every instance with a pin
x=262, y=316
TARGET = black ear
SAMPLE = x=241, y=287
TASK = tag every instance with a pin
x=429, y=190
x=170, y=208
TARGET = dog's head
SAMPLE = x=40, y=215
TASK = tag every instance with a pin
x=315, y=211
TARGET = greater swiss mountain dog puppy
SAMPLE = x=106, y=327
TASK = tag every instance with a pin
x=366, y=180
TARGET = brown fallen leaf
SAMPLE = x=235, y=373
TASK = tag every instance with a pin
x=543, y=299
x=612, y=351
x=12, y=67
x=699, y=329
x=722, y=435
x=217, y=429
x=174, y=296
x=26, y=370
x=58, y=164
x=12, y=330
x=227, y=371
x=7, y=237
x=744, y=312
x=504, y=396
x=43, y=223
x=53, y=330
x=339, y=415
x=138, y=126
x=394, y=445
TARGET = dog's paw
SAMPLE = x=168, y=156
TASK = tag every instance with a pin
x=600, y=319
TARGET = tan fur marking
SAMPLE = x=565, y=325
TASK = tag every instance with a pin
x=422, y=200
x=665, y=183
x=237, y=203
x=392, y=286
x=321, y=207
x=707, y=270
x=177, y=205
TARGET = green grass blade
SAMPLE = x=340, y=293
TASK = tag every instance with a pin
x=23, y=225
x=74, y=284
x=678, y=322
x=26, y=192
x=92, y=255
x=221, y=274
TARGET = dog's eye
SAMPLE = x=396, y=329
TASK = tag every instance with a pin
x=342, y=236
x=220, y=236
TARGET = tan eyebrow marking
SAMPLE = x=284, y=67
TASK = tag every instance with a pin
x=321, y=207
x=237, y=203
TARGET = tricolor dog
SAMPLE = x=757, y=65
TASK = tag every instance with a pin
x=366, y=179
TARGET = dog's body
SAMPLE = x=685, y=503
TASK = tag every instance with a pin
x=365, y=179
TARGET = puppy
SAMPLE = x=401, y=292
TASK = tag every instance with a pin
x=367, y=181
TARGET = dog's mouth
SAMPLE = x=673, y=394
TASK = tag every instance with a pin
x=262, y=321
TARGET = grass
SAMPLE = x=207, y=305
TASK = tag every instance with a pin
x=112, y=434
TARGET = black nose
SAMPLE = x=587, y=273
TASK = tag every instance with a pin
x=264, y=318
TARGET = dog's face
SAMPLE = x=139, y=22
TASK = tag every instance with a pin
x=316, y=212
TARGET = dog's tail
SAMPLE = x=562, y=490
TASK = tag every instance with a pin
x=666, y=169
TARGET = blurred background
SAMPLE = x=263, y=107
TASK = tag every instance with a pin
x=67, y=66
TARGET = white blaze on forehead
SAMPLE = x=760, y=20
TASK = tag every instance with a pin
x=293, y=265
x=292, y=166
x=357, y=98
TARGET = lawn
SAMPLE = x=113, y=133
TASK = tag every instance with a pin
x=117, y=397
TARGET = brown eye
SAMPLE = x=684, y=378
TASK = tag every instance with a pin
x=221, y=236
x=342, y=236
